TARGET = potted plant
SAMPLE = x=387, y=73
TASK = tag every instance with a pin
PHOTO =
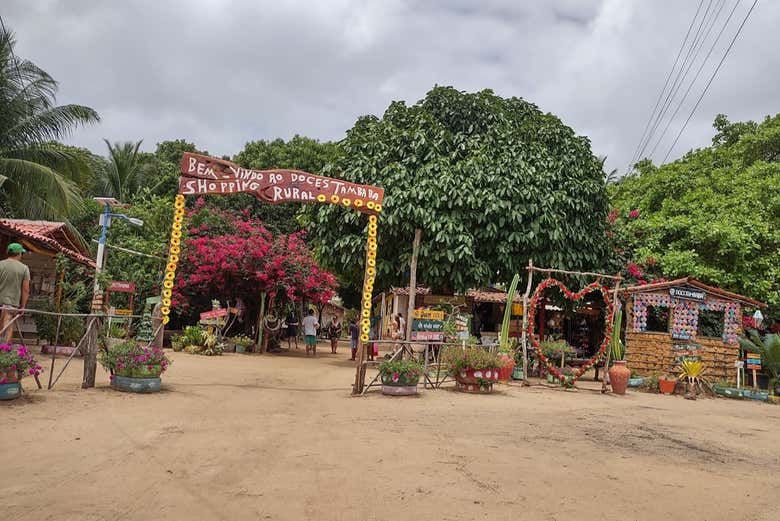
x=241, y=342
x=618, y=373
x=134, y=367
x=666, y=384
x=400, y=377
x=475, y=369
x=16, y=362
x=506, y=355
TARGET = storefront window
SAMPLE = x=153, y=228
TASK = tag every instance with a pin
x=711, y=323
x=657, y=319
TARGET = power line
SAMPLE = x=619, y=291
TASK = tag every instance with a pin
x=714, y=73
x=666, y=83
x=691, y=54
x=698, y=72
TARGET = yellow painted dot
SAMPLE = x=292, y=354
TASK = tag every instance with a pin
x=168, y=284
x=346, y=202
x=322, y=198
x=174, y=259
x=166, y=302
x=358, y=202
x=167, y=293
x=371, y=262
x=334, y=199
x=166, y=319
x=370, y=205
x=165, y=310
x=170, y=267
x=364, y=338
x=371, y=271
x=378, y=208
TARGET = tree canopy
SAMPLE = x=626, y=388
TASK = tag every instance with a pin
x=713, y=214
x=491, y=181
x=38, y=178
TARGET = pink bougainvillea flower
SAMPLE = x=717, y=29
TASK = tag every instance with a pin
x=633, y=214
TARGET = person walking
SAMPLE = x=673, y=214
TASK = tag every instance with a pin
x=401, y=326
x=292, y=329
x=310, y=327
x=14, y=287
x=354, y=333
x=334, y=333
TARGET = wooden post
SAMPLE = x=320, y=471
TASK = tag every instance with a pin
x=90, y=353
x=360, y=368
x=525, y=319
x=54, y=351
x=615, y=304
x=412, y=283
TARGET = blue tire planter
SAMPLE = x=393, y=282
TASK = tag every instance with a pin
x=135, y=385
x=636, y=382
x=10, y=391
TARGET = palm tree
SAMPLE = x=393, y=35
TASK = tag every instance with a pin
x=38, y=177
x=125, y=174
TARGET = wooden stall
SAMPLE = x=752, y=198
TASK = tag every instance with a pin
x=684, y=319
x=43, y=240
x=487, y=308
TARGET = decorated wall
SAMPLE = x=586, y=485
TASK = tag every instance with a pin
x=660, y=353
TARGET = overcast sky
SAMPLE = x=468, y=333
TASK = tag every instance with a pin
x=221, y=73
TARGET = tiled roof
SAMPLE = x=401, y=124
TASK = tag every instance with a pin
x=51, y=236
x=690, y=281
x=492, y=295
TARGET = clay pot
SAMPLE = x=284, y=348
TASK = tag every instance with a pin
x=618, y=376
x=667, y=386
x=505, y=372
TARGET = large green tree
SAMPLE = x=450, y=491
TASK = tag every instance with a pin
x=38, y=178
x=299, y=153
x=713, y=214
x=491, y=181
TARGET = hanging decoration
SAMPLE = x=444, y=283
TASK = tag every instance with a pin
x=534, y=339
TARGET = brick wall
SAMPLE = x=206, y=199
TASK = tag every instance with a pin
x=654, y=353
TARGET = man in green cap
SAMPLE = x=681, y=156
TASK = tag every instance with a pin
x=14, y=286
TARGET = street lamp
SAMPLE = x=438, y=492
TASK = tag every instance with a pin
x=105, y=223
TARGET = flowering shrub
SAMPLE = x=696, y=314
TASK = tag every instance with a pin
x=19, y=359
x=471, y=358
x=401, y=372
x=131, y=359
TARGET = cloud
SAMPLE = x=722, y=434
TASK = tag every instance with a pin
x=224, y=73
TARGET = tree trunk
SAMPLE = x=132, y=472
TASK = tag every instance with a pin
x=412, y=283
x=260, y=316
x=264, y=347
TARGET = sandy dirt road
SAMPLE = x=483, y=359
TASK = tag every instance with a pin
x=248, y=437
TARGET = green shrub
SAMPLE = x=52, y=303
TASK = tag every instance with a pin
x=471, y=358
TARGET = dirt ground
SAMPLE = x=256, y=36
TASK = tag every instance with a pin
x=249, y=437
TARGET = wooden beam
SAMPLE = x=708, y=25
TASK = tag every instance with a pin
x=412, y=283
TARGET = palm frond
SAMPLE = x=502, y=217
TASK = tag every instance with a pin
x=37, y=191
x=49, y=125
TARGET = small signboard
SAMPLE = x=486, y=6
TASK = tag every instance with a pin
x=213, y=314
x=753, y=361
x=121, y=286
x=688, y=294
x=686, y=347
x=427, y=336
x=428, y=314
x=427, y=325
x=123, y=312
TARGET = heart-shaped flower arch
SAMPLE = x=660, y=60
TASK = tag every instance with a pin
x=590, y=288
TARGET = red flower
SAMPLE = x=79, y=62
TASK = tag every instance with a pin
x=633, y=214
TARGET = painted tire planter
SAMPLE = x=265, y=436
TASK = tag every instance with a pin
x=10, y=391
x=517, y=373
x=402, y=386
x=636, y=382
x=478, y=381
x=9, y=376
x=240, y=349
x=135, y=385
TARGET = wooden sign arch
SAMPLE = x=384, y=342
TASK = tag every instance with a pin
x=208, y=175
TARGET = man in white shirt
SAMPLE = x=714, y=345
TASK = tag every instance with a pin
x=310, y=327
x=401, y=327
